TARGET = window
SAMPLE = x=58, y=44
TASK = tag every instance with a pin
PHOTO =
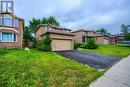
x=0, y=21
x=7, y=21
x=0, y=36
x=16, y=22
x=9, y=37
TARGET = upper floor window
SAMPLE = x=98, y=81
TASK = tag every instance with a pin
x=16, y=22
x=7, y=21
x=0, y=20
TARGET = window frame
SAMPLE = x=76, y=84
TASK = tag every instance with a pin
x=11, y=21
x=15, y=21
x=12, y=36
x=1, y=20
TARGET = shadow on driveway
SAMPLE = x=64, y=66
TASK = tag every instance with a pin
x=94, y=60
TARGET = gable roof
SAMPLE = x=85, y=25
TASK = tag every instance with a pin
x=53, y=26
x=80, y=30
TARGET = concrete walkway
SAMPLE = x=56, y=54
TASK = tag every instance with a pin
x=117, y=76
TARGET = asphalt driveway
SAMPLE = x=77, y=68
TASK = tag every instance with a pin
x=94, y=60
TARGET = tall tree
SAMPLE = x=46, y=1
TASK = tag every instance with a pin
x=102, y=30
x=126, y=31
x=50, y=20
x=53, y=21
x=27, y=33
x=33, y=24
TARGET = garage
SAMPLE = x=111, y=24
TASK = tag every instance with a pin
x=60, y=45
x=106, y=41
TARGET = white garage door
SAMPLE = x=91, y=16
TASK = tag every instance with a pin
x=61, y=45
x=106, y=41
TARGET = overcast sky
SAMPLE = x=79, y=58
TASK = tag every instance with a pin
x=74, y=14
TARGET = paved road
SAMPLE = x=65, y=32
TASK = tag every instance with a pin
x=91, y=59
x=117, y=76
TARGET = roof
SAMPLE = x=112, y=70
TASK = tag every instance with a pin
x=53, y=26
x=79, y=30
x=12, y=15
x=58, y=33
x=98, y=35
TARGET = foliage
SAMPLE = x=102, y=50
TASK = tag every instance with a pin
x=34, y=42
x=19, y=68
x=102, y=30
x=126, y=32
x=89, y=44
x=77, y=45
x=33, y=24
x=27, y=34
x=113, y=50
x=50, y=20
x=45, y=44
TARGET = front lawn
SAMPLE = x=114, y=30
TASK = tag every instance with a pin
x=19, y=68
x=113, y=50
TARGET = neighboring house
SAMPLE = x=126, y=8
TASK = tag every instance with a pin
x=62, y=39
x=81, y=36
x=11, y=30
x=114, y=39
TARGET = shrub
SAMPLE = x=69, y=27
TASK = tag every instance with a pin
x=76, y=45
x=89, y=44
x=83, y=45
x=40, y=44
x=34, y=43
x=45, y=44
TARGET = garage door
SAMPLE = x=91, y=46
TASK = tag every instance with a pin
x=106, y=41
x=61, y=45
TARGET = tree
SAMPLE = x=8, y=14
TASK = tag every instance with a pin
x=125, y=31
x=33, y=24
x=27, y=33
x=27, y=36
x=102, y=30
x=53, y=21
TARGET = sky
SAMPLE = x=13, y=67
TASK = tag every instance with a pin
x=75, y=14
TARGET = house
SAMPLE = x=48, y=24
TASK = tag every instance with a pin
x=11, y=30
x=114, y=39
x=82, y=34
x=62, y=38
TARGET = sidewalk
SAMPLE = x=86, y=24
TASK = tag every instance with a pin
x=117, y=76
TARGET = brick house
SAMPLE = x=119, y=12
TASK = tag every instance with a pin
x=82, y=34
x=62, y=38
x=11, y=30
x=114, y=39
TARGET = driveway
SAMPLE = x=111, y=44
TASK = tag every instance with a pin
x=94, y=60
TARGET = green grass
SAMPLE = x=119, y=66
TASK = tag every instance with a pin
x=124, y=45
x=113, y=50
x=19, y=68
